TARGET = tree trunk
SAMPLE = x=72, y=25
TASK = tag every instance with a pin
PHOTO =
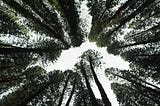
x=142, y=32
x=25, y=94
x=137, y=83
x=91, y=94
x=26, y=50
x=72, y=92
x=63, y=91
x=102, y=92
x=141, y=42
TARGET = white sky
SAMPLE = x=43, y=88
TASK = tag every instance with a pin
x=69, y=57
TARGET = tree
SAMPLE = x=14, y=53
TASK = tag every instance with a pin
x=93, y=58
x=106, y=31
x=37, y=83
x=52, y=25
x=136, y=81
x=130, y=95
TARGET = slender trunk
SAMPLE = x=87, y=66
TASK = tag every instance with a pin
x=148, y=55
x=39, y=9
x=137, y=83
x=102, y=91
x=119, y=11
x=131, y=76
x=91, y=94
x=63, y=91
x=26, y=50
x=72, y=92
x=71, y=14
x=141, y=42
x=150, y=29
x=25, y=94
x=107, y=6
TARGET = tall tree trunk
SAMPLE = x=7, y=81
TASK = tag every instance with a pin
x=26, y=50
x=137, y=83
x=63, y=91
x=145, y=31
x=91, y=94
x=102, y=92
x=141, y=42
x=72, y=92
x=23, y=98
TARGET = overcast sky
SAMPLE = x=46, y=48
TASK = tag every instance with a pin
x=69, y=57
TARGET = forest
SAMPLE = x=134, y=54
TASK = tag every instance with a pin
x=38, y=31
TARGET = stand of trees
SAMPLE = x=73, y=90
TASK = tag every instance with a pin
x=38, y=30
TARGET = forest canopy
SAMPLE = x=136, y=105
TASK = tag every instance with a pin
x=34, y=31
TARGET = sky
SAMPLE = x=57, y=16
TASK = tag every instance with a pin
x=69, y=57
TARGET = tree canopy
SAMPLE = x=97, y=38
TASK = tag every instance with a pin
x=34, y=33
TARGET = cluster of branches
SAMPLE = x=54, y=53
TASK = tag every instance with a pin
x=132, y=31
x=35, y=86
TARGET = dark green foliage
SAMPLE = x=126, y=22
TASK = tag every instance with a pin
x=38, y=30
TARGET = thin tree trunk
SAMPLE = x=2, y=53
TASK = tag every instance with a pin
x=150, y=29
x=91, y=94
x=26, y=50
x=63, y=91
x=72, y=92
x=102, y=91
x=137, y=83
x=141, y=42
x=24, y=98
x=138, y=79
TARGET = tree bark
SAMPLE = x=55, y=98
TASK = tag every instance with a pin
x=71, y=95
x=102, y=91
x=91, y=94
x=63, y=91
x=27, y=50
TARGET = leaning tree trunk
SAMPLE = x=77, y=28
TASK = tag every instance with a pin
x=63, y=91
x=91, y=94
x=71, y=95
x=102, y=92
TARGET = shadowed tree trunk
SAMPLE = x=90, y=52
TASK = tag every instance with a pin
x=71, y=95
x=63, y=91
x=91, y=94
x=102, y=92
x=26, y=50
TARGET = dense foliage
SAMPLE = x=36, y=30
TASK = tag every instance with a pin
x=36, y=31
